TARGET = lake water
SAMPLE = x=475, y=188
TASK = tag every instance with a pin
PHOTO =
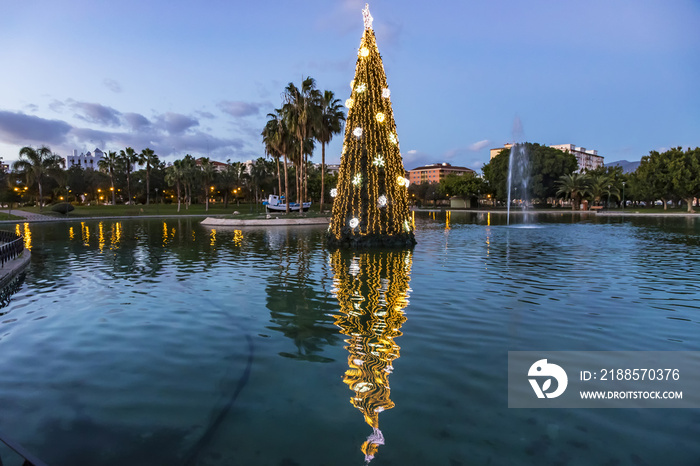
x=164, y=342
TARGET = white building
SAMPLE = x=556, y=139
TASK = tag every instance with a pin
x=84, y=160
x=586, y=159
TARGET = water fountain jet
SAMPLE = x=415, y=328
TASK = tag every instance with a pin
x=518, y=169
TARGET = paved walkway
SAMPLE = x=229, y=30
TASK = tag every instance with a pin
x=28, y=216
x=224, y=222
x=32, y=217
x=610, y=213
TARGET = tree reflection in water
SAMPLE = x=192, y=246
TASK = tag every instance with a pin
x=372, y=289
x=298, y=307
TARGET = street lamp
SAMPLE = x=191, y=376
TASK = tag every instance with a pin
x=609, y=196
x=157, y=207
x=623, y=195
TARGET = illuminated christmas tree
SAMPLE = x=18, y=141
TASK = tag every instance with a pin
x=372, y=289
x=370, y=205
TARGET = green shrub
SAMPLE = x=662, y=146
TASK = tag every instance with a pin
x=62, y=208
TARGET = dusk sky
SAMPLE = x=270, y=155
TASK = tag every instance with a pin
x=622, y=77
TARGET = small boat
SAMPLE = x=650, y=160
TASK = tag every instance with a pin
x=278, y=204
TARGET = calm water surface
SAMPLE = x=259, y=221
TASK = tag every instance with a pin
x=164, y=342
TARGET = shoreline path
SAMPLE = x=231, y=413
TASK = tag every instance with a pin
x=213, y=221
x=32, y=217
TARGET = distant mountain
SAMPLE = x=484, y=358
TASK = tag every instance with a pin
x=627, y=167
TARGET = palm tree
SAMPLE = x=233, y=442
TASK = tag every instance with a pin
x=174, y=175
x=127, y=159
x=109, y=163
x=277, y=138
x=597, y=186
x=36, y=164
x=231, y=178
x=574, y=186
x=258, y=175
x=270, y=136
x=190, y=174
x=150, y=159
x=300, y=111
x=330, y=123
x=208, y=174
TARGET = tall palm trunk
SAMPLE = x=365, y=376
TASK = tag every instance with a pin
x=306, y=181
x=279, y=179
x=111, y=178
x=41, y=194
x=177, y=186
x=323, y=175
x=297, y=174
x=128, y=186
x=148, y=184
x=301, y=172
x=286, y=185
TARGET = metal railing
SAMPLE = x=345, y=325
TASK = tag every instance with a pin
x=13, y=247
x=29, y=459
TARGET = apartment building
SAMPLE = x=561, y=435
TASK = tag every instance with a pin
x=435, y=172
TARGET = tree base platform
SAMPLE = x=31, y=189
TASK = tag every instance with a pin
x=403, y=240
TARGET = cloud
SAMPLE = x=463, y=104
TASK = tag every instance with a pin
x=460, y=152
x=169, y=134
x=57, y=106
x=476, y=164
x=176, y=123
x=204, y=143
x=389, y=33
x=31, y=107
x=262, y=90
x=343, y=18
x=196, y=143
x=96, y=113
x=136, y=121
x=94, y=137
x=452, y=153
x=112, y=85
x=477, y=146
x=207, y=115
x=238, y=108
x=414, y=159
x=21, y=129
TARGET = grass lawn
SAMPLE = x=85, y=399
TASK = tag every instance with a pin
x=245, y=211
x=9, y=217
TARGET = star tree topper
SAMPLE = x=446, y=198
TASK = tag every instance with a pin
x=367, y=17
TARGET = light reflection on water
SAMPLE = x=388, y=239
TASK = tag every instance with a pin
x=128, y=357
x=372, y=290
